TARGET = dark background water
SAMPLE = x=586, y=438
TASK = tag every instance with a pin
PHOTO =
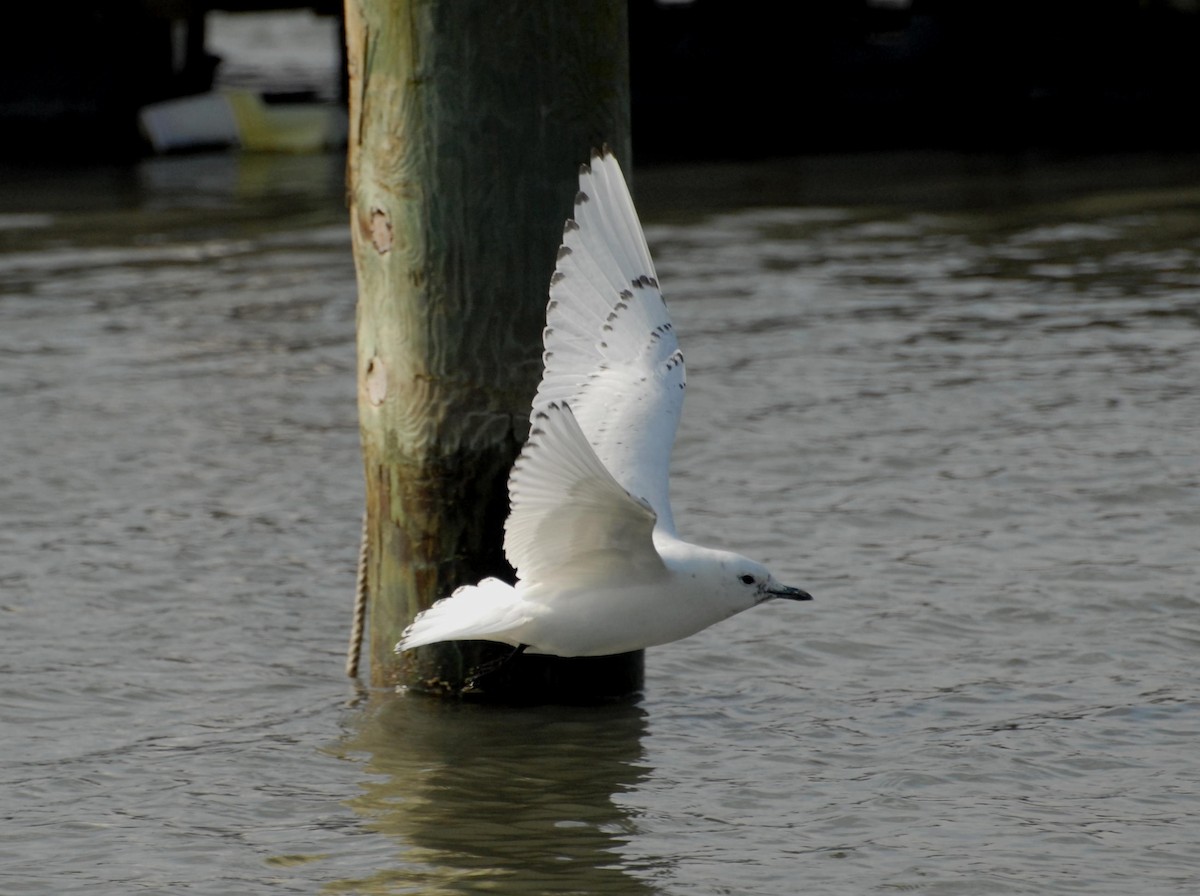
x=954, y=397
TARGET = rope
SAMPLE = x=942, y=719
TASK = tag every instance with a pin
x=360, y=607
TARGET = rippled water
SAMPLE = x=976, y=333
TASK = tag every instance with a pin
x=959, y=406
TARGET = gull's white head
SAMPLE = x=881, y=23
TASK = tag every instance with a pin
x=753, y=583
x=732, y=582
x=757, y=581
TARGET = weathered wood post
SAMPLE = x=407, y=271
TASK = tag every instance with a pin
x=468, y=121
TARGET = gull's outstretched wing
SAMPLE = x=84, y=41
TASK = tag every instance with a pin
x=610, y=349
x=570, y=521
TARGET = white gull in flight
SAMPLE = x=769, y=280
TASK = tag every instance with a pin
x=600, y=569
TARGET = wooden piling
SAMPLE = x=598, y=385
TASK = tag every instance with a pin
x=468, y=122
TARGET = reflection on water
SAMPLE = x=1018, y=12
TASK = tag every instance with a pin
x=509, y=800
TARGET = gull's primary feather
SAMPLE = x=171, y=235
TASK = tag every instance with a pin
x=610, y=349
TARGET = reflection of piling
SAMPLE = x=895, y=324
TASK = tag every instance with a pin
x=467, y=125
x=516, y=802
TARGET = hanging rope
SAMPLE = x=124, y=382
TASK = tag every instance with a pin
x=360, y=607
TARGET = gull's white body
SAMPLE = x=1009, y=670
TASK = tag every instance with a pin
x=590, y=532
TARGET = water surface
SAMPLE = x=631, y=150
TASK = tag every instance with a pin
x=955, y=399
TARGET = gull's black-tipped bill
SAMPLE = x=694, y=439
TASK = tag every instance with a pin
x=789, y=593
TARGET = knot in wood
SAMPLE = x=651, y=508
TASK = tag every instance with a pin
x=381, y=231
x=376, y=381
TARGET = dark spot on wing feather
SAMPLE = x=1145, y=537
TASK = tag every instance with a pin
x=612, y=315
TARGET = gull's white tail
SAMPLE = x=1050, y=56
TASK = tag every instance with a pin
x=488, y=610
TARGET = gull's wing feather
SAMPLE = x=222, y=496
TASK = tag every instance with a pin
x=610, y=349
x=570, y=519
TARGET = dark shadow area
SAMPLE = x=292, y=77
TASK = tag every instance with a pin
x=711, y=79
x=718, y=79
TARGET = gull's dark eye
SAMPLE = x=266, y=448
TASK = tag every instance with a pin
x=746, y=579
